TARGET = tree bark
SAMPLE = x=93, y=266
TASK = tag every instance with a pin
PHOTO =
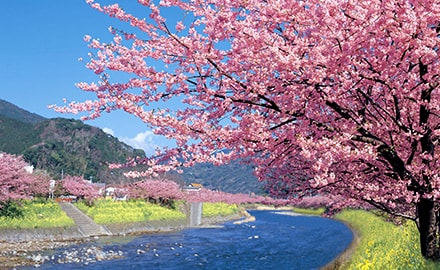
x=428, y=224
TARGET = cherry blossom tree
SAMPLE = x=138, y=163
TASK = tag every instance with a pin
x=77, y=186
x=214, y=196
x=16, y=183
x=324, y=97
x=161, y=191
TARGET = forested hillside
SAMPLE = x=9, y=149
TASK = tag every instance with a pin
x=63, y=146
x=233, y=178
x=70, y=147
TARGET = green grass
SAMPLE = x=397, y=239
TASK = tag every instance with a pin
x=109, y=211
x=219, y=209
x=383, y=245
x=48, y=214
x=38, y=214
x=309, y=211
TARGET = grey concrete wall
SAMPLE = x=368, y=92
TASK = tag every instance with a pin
x=195, y=214
x=24, y=235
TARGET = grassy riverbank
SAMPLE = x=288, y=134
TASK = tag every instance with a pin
x=37, y=214
x=109, y=211
x=378, y=244
x=219, y=209
x=383, y=245
x=48, y=214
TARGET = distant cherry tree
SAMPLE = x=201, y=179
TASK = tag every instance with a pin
x=16, y=183
x=78, y=186
x=159, y=191
x=214, y=196
x=334, y=97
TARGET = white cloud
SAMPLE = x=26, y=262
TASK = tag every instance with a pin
x=108, y=131
x=144, y=141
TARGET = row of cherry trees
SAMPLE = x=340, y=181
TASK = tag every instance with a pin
x=163, y=191
x=16, y=184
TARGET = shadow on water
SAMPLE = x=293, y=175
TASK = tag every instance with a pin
x=273, y=241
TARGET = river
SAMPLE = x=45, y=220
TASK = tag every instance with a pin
x=275, y=240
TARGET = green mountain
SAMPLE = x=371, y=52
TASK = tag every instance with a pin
x=69, y=146
x=16, y=136
x=63, y=146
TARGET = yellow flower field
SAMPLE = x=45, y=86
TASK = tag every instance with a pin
x=109, y=211
x=38, y=214
x=384, y=245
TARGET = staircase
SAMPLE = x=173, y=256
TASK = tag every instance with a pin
x=85, y=224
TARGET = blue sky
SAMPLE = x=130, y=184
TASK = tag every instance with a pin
x=41, y=42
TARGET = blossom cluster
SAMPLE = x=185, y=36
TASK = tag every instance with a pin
x=17, y=183
x=79, y=187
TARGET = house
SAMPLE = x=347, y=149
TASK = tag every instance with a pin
x=193, y=187
x=29, y=168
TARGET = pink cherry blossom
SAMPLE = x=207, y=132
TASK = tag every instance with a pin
x=77, y=186
x=16, y=183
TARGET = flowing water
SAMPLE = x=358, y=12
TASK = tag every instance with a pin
x=275, y=240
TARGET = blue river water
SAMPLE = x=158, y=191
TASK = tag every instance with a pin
x=273, y=241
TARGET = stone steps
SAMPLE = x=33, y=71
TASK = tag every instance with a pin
x=85, y=224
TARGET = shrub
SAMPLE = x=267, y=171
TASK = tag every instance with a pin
x=10, y=209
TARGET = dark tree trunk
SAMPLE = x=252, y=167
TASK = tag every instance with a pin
x=428, y=224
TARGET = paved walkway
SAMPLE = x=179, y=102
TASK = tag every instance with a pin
x=85, y=224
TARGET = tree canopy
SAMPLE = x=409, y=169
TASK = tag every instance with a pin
x=16, y=182
x=331, y=97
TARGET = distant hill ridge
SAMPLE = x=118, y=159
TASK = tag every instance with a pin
x=66, y=146
x=12, y=111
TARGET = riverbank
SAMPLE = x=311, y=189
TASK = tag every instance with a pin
x=24, y=247
x=15, y=254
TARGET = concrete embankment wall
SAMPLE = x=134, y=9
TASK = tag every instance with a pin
x=147, y=227
x=44, y=234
